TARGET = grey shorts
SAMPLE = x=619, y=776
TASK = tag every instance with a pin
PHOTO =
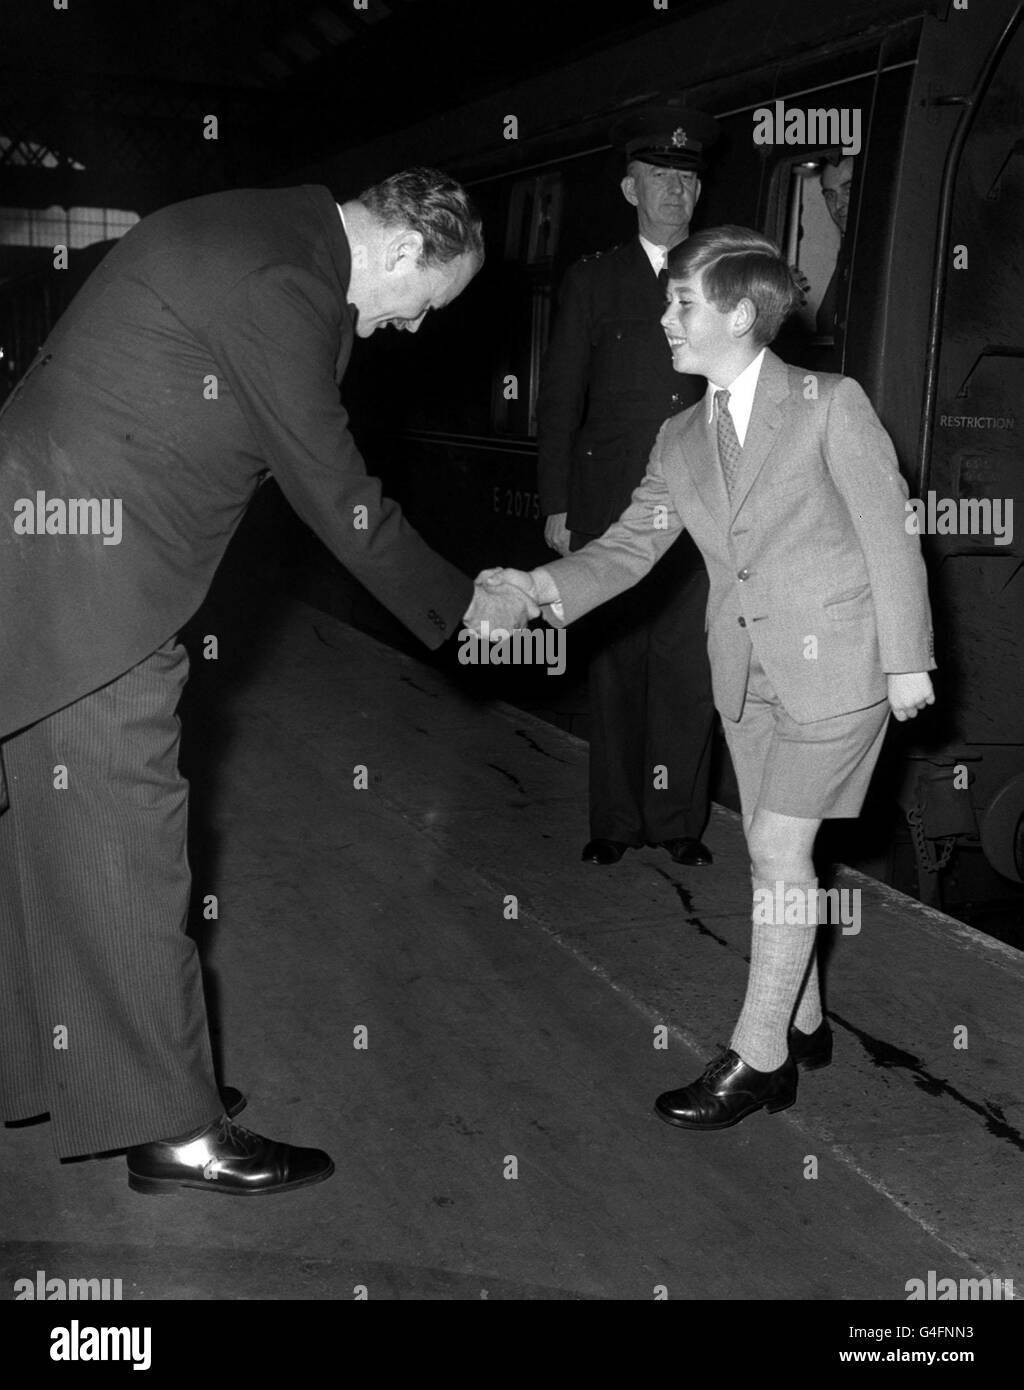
x=816, y=771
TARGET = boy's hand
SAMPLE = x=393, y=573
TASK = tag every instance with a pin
x=909, y=693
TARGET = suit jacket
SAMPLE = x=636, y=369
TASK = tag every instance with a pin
x=203, y=353
x=606, y=386
x=810, y=563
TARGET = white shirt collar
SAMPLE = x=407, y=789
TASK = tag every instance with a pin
x=657, y=255
x=741, y=396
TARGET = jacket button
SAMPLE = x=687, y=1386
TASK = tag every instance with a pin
x=743, y=574
x=742, y=622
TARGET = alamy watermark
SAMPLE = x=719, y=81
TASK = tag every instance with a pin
x=833, y=125
x=522, y=646
x=78, y=1343
x=793, y=906
x=964, y=516
x=967, y=1289
x=55, y=1289
x=73, y=516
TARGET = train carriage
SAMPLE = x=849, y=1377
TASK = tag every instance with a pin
x=928, y=317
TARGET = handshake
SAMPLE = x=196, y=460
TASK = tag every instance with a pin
x=504, y=599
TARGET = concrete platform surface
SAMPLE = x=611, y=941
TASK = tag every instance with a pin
x=495, y=1137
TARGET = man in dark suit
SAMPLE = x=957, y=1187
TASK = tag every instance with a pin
x=203, y=354
x=607, y=385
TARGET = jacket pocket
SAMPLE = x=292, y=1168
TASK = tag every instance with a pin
x=852, y=603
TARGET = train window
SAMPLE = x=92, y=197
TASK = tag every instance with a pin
x=73, y=227
x=812, y=201
x=531, y=239
x=534, y=217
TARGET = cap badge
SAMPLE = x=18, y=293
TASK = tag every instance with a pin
x=678, y=137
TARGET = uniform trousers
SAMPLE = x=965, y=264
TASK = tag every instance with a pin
x=102, y=1015
x=651, y=706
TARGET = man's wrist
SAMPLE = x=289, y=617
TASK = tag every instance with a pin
x=545, y=588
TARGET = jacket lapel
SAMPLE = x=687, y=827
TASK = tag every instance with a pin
x=765, y=420
x=700, y=454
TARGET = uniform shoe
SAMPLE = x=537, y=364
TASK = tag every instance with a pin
x=811, y=1050
x=684, y=849
x=603, y=851
x=223, y=1157
x=728, y=1091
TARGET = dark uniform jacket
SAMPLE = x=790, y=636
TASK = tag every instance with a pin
x=203, y=352
x=606, y=387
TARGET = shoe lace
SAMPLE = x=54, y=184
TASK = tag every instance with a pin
x=237, y=1136
x=720, y=1066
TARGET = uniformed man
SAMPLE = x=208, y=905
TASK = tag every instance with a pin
x=606, y=387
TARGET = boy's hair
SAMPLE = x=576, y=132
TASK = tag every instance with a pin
x=429, y=202
x=739, y=263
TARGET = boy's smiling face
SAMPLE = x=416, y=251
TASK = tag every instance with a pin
x=705, y=340
x=700, y=335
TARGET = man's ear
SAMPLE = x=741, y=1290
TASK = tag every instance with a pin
x=628, y=186
x=744, y=316
x=404, y=245
x=696, y=193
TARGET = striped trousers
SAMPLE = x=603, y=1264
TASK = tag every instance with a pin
x=102, y=1016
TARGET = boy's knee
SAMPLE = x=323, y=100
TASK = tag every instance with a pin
x=774, y=855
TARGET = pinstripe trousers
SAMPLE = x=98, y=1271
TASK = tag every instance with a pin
x=102, y=1016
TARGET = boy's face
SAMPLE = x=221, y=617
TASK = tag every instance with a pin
x=699, y=334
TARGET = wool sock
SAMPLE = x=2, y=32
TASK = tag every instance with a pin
x=809, y=1014
x=780, y=952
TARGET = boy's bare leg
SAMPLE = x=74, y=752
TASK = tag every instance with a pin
x=781, y=849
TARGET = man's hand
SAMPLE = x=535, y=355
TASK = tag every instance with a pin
x=801, y=282
x=909, y=693
x=537, y=583
x=556, y=533
x=501, y=602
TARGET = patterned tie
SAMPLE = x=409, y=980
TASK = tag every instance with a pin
x=729, y=449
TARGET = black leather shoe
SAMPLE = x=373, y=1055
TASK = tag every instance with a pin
x=686, y=850
x=223, y=1157
x=811, y=1050
x=603, y=851
x=232, y=1100
x=727, y=1092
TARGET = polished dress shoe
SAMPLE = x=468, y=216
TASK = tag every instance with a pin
x=728, y=1091
x=603, y=851
x=811, y=1050
x=686, y=850
x=223, y=1157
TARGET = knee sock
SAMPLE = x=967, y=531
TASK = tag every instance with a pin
x=779, y=956
x=808, y=1014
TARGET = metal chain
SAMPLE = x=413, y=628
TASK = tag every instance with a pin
x=930, y=862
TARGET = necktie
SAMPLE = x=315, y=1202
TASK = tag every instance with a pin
x=728, y=442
